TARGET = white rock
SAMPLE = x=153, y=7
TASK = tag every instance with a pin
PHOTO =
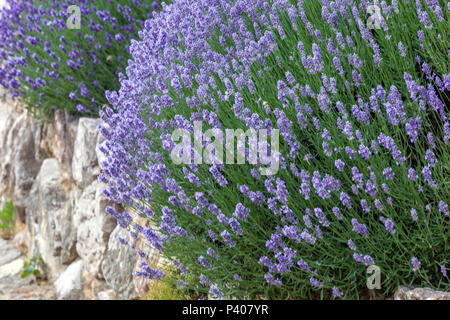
x=10, y=278
x=7, y=252
x=118, y=265
x=19, y=165
x=49, y=218
x=406, y=293
x=94, y=226
x=58, y=138
x=85, y=167
x=107, y=295
x=13, y=268
x=70, y=283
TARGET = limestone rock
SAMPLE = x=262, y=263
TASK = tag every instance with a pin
x=85, y=167
x=58, y=138
x=94, y=226
x=107, y=295
x=10, y=276
x=49, y=218
x=26, y=166
x=12, y=268
x=49, y=171
x=8, y=252
x=21, y=240
x=406, y=293
x=18, y=163
x=11, y=263
x=70, y=283
x=118, y=265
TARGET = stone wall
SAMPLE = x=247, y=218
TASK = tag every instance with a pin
x=50, y=172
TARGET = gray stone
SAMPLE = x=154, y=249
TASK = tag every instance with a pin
x=26, y=166
x=10, y=278
x=18, y=163
x=57, y=139
x=94, y=226
x=49, y=218
x=11, y=264
x=107, y=295
x=8, y=252
x=85, y=167
x=118, y=265
x=21, y=239
x=406, y=293
x=69, y=285
x=50, y=172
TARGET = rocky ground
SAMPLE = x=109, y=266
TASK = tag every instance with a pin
x=12, y=285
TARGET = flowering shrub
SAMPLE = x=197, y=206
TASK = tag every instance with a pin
x=47, y=60
x=364, y=131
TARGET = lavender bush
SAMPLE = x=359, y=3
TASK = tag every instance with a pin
x=53, y=65
x=364, y=132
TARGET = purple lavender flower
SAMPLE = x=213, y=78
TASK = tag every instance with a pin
x=337, y=213
x=431, y=141
x=315, y=283
x=236, y=226
x=444, y=270
x=216, y=292
x=443, y=208
x=204, y=281
x=412, y=128
x=339, y=164
x=389, y=225
x=345, y=199
x=303, y=265
x=388, y=173
x=402, y=49
x=241, y=212
x=351, y=244
x=412, y=175
x=358, y=257
x=73, y=96
x=212, y=253
x=415, y=263
x=212, y=235
x=148, y=272
x=227, y=238
x=430, y=157
x=365, y=205
x=359, y=228
x=368, y=261
x=414, y=215
x=81, y=108
x=337, y=293
x=205, y=263
x=426, y=171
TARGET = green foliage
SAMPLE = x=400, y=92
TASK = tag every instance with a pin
x=94, y=48
x=35, y=266
x=172, y=287
x=7, y=217
x=331, y=259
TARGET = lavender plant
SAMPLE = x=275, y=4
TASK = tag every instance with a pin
x=53, y=63
x=363, y=120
